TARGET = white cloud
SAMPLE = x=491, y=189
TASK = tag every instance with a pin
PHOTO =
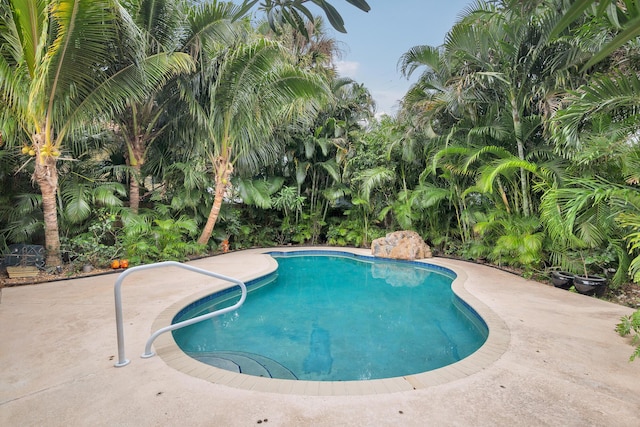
x=387, y=101
x=347, y=68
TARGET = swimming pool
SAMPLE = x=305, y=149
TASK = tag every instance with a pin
x=335, y=316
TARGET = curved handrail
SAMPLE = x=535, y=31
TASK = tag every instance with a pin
x=122, y=360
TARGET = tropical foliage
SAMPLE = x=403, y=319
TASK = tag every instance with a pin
x=58, y=78
x=630, y=325
x=519, y=132
x=159, y=129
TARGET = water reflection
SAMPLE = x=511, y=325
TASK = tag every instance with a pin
x=399, y=275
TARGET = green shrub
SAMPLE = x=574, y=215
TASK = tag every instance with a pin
x=98, y=245
x=630, y=325
x=350, y=232
x=155, y=240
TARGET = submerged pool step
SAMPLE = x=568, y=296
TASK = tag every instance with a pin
x=246, y=363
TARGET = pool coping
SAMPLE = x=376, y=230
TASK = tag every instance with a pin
x=494, y=347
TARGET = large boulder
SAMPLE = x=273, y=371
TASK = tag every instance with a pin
x=401, y=245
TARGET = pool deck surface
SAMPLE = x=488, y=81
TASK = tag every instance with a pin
x=552, y=358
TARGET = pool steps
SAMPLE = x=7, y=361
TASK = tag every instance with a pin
x=244, y=363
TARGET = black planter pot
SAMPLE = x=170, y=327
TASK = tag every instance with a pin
x=590, y=285
x=562, y=279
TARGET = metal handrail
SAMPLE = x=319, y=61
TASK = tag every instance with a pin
x=122, y=360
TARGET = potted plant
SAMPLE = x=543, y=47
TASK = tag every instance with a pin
x=589, y=284
x=581, y=216
x=562, y=279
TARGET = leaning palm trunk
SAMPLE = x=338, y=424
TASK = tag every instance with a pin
x=223, y=169
x=254, y=90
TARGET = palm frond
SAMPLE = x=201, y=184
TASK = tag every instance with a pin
x=420, y=56
x=426, y=196
x=370, y=179
x=133, y=83
x=258, y=192
x=631, y=221
x=77, y=202
x=502, y=167
x=333, y=169
x=25, y=31
x=211, y=24
x=604, y=94
x=107, y=194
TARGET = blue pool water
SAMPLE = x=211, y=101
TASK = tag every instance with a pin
x=337, y=318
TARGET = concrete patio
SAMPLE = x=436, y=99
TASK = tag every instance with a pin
x=552, y=359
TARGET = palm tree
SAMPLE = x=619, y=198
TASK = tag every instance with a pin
x=599, y=206
x=311, y=47
x=320, y=156
x=167, y=26
x=498, y=71
x=601, y=121
x=248, y=90
x=57, y=78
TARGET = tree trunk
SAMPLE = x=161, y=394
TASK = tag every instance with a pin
x=134, y=189
x=135, y=159
x=46, y=175
x=517, y=128
x=223, y=169
x=503, y=194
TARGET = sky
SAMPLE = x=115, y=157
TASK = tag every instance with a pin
x=376, y=40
